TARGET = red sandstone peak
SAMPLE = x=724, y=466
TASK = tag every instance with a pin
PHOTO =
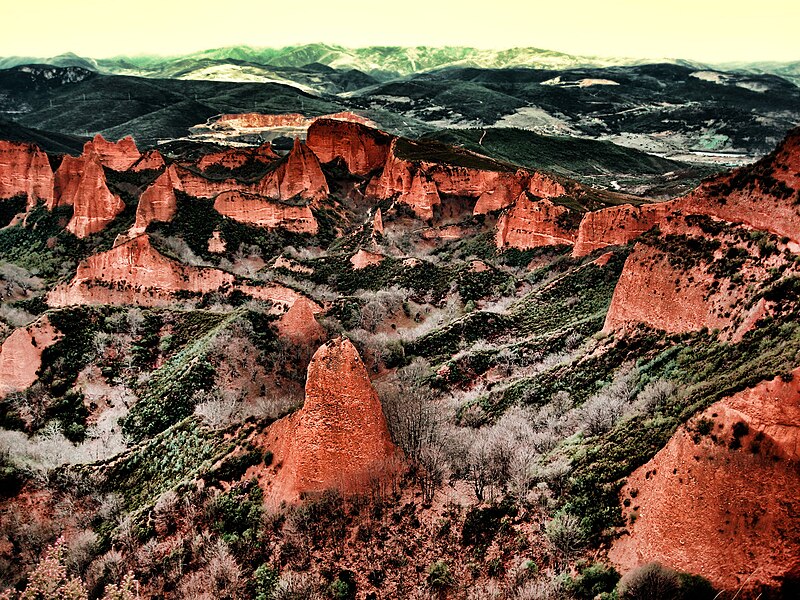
x=724, y=504
x=531, y=224
x=362, y=148
x=339, y=439
x=150, y=161
x=119, y=156
x=21, y=355
x=377, y=222
x=363, y=259
x=299, y=174
x=157, y=202
x=264, y=212
x=66, y=181
x=25, y=169
x=299, y=324
x=216, y=244
x=233, y=158
x=618, y=225
x=94, y=205
x=265, y=152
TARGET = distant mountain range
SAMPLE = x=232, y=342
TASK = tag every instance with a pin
x=246, y=63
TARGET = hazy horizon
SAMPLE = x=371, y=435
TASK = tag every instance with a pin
x=714, y=31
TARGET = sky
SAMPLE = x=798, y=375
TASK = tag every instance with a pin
x=705, y=30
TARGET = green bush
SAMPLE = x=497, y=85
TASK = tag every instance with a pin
x=592, y=581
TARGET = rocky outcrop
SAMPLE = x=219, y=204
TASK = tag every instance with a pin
x=94, y=206
x=234, y=158
x=150, y=161
x=652, y=291
x=299, y=324
x=119, y=156
x=24, y=169
x=263, y=212
x=299, y=174
x=21, y=355
x=377, y=222
x=66, y=181
x=362, y=149
x=534, y=223
x=157, y=203
x=618, y=225
x=339, y=439
x=722, y=498
x=363, y=259
x=294, y=120
x=544, y=186
x=216, y=244
x=134, y=272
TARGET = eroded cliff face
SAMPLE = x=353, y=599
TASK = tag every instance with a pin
x=299, y=174
x=24, y=169
x=157, y=203
x=21, y=355
x=652, y=291
x=339, y=439
x=263, y=212
x=295, y=120
x=119, y=156
x=94, y=206
x=722, y=498
x=534, y=223
x=234, y=158
x=150, y=161
x=362, y=149
x=134, y=272
x=618, y=225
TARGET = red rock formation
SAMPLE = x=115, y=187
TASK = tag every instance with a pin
x=377, y=222
x=724, y=504
x=136, y=273
x=299, y=174
x=233, y=158
x=531, y=224
x=262, y=121
x=150, y=161
x=543, y=186
x=24, y=169
x=263, y=212
x=66, y=181
x=94, y=205
x=618, y=225
x=652, y=291
x=21, y=355
x=157, y=203
x=119, y=156
x=201, y=187
x=363, y=149
x=299, y=325
x=363, y=259
x=339, y=439
x=216, y=244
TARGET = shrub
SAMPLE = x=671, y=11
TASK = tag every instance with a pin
x=649, y=582
x=564, y=534
x=265, y=582
x=593, y=580
x=439, y=576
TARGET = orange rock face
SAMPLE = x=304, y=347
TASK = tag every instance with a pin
x=651, y=291
x=150, y=161
x=724, y=503
x=263, y=212
x=339, y=439
x=24, y=169
x=299, y=174
x=237, y=157
x=299, y=325
x=134, y=272
x=157, y=203
x=363, y=259
x=363, y=149
x=617, y=225
x=531, y=224
x=377, y=222
x=66, y=181
x=94, y=205
x=21, y=355
x=119, y=156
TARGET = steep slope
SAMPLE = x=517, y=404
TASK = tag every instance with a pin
x=25, y=170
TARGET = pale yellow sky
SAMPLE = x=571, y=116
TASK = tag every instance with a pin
x=707, y=30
